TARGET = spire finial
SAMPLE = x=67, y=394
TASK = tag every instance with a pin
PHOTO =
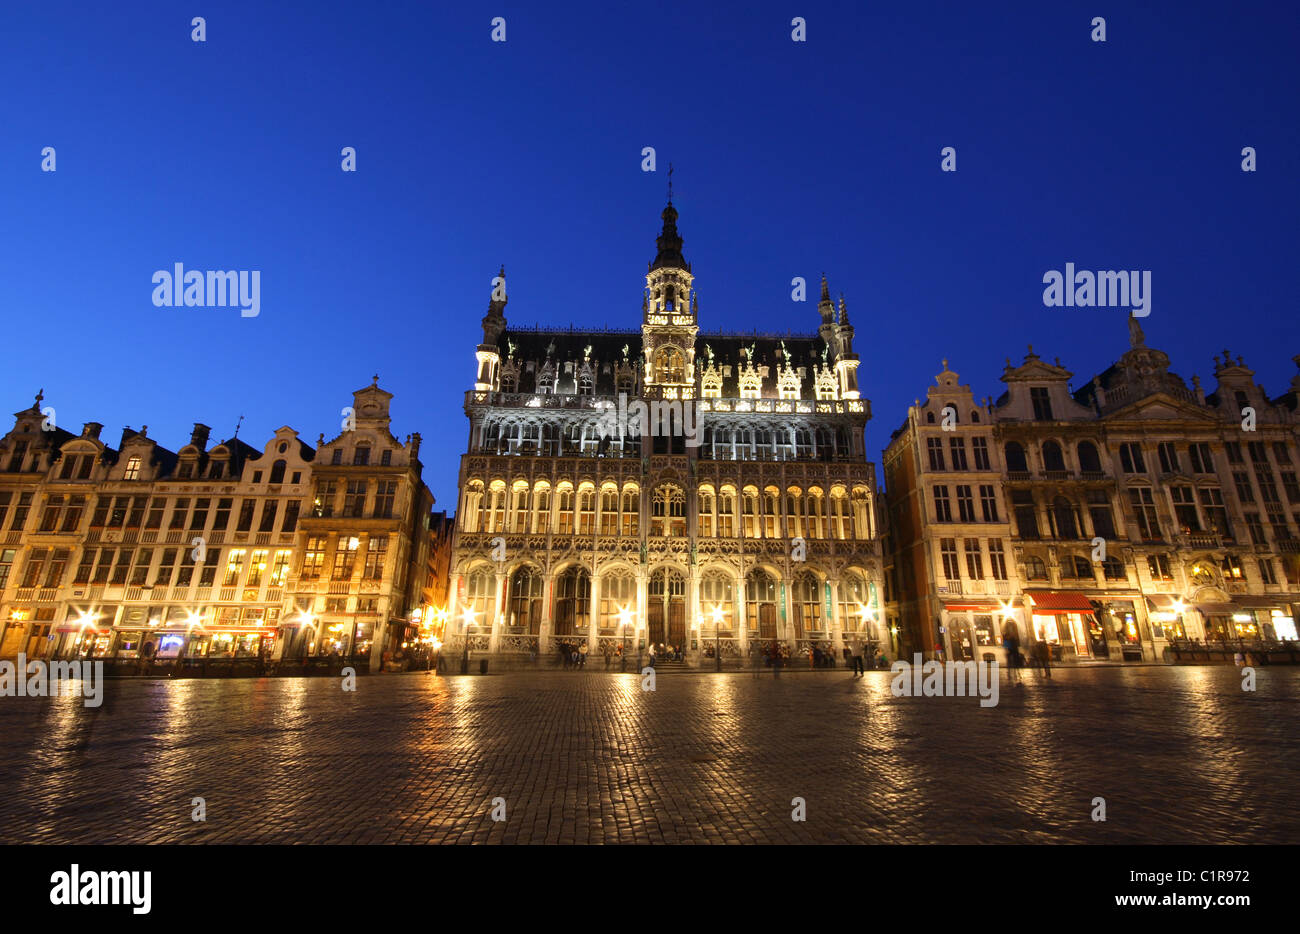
x=238, y=424
x=670, y=183
x=40, y=396
x=374, y=380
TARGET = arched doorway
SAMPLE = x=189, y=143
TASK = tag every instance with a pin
x=760, y=602
x=806, y=593
x=572, y=601
x=525, y=603
x=666, y=617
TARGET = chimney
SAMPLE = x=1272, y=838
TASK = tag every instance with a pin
x=199, y=437
x=91, y=430
x=415, y=446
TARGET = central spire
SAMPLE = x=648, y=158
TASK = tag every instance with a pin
x=670, y=241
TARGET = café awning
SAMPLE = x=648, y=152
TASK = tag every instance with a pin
x=1059, y=601
x=1217, y=609
x=1274, y=602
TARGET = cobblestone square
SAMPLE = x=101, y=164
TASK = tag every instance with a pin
x=1181, y=755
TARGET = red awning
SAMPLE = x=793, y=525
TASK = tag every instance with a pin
x=972, y=607
x=1059, y=601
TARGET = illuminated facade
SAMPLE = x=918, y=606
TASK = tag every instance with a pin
x=1110, y=521
x=221, y=551
x=740, y=511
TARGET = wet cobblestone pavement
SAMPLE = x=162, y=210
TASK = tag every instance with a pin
x=1181, y=755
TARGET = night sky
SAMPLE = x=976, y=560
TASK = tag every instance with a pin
x=791, y=159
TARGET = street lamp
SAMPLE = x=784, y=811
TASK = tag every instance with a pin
x=624, y=619
x=717, y=637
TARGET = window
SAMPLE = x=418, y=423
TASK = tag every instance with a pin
x=323, y=501
x=376, y=552
x=631, y=511
x=35, y=565
x=1015, y=455
x=234, y=567
x=313, y=559
x=1245, y=492
x=1144, y=510
x=180, y=511
x=221, y=518
x=246, y=515
x=132, y=469
x=1089, y=460
x=1103, y=522
x=988, y=502
x=1256, y=529
x=337, y=458
x=1168, y=457
x=1185, y=509
x=1267, y=487
x=52, y=514
x=1022, y=503
x=354, y=499
x=385, y=496
x=257, y=476
x=957, y=447
x=1131, y=459
x=269, y=509
x=1258, y=453
x=277, y=472
x=1290, y=486
x=1234, y=451
x=23, y=506
x=361, y=456
x=123, y=567
x=942, y=506
x=1076, y=567
x=948, y=551
x=980, y=448
x=965, y=504
x=345, y=557
x=1035, y=569
x=156, y=507
x=72, y=516
x=586, y=511
x=997, y=559
x=6, y=565
x=1202, y=460
x=1231, y=567
x=974, y=560
x=1266, y=572
x=1158, y=565
x=934, y=447
x=279, y=567
x=1042, y=404
x=1053, y=457
x=1064, y=519
x=1113, y=568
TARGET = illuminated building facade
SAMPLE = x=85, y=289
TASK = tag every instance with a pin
x=740, y=511
x=210, y=551
x=1111, y=521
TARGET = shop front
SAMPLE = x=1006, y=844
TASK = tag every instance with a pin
x=1268, y=618
x=1170, y=619
x=1121, y=632
x=1219, y=622
x=1066, y=621
x=973, y=629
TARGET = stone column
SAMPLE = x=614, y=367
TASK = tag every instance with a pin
x=742, y=624
x=499, y=611
x=546, y=631
x=593, y=624
x=837, y=624
x=694, y=620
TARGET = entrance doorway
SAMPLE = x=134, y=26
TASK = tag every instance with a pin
x=962, y=647
x=667, y=597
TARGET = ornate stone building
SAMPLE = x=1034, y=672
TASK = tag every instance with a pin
x=745, y=513
x=211, y=551
x=1109, y=521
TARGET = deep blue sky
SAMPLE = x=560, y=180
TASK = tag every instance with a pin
x=792, y=158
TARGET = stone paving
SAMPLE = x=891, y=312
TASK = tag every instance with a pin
x=1181, y=755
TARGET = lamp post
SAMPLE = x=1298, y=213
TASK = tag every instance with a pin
x=717, y=637
x=624, y=619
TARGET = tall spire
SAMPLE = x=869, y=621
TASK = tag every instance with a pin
x=1136, y=338
x=669, y=242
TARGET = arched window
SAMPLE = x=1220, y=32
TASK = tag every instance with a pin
x=277, y=472
x=609, y=511
x=1015, y=455
x=929, y=418
x=618, y=594
x=807, y=604
x=670, y=366
x=1035, y=569
x=856, y=613
x=524, y=607
x=668, y=512
x=760, y=603
x=1053, y=459
x=717, y=606
x=1076, y=567
x=480, y=596
x=572, y=601
x=1089, y=462
x=975, y=416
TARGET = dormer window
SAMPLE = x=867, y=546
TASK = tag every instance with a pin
x=132, y=469
x=217, y=470
x=361, y=456
x=1042, y=404
x=186, y=469
x=337, y=458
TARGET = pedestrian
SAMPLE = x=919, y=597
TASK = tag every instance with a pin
x=1011, y=643
x=582, y=656
x=1044, y=652
x=856, y=654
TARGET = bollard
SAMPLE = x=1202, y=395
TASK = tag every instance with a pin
x=482, y=666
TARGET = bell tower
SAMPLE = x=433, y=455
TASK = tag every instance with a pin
x=669, y=315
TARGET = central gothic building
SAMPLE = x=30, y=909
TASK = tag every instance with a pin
x=744, y=516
